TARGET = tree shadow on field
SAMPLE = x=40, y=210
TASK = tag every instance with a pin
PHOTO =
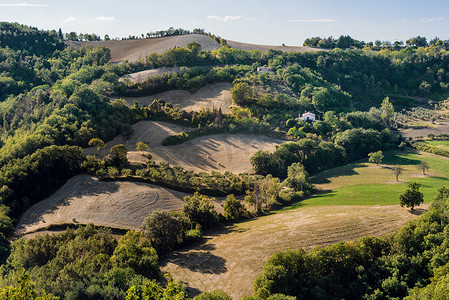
x=200, y=260
x=346, y=170
x=397, y=160
x=417, y=211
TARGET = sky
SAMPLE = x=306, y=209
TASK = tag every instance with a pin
x=251, y=21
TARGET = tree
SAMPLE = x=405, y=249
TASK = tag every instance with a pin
x=24, y=289
x=387, y=110
x=97, y=143
x=423, y=166
x=297, y=177
x=233, y=209
x=376, y=157
x=200, y=209
x=118, y=154
x=141, y=146
x=412, y=196
x=163, y=229
x=397, y=171
x=241, y=93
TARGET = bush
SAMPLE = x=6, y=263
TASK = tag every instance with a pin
x=164, y=229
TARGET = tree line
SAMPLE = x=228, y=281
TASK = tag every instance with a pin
x=345, y=41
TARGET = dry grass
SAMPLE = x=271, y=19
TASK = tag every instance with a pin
x=220, y=152
x=211, y=96
x=133, y=50
x=143, y=75
x=438, y=128
x=265, y=48
x=232, y=259
x=84, y=199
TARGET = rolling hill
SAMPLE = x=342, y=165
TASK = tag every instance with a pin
x=133, y=50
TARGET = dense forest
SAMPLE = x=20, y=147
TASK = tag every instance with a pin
x=54, y=100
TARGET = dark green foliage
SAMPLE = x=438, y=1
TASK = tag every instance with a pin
x=430, y=149
x=412, y=196
x=29, y=39
x=164, y=229
x=153, y=290
x=86, y=263
x=199, y=209
x=369, y=268
x=314, y=156
x=359, y=142
x=28, y=180
x=215, y=295
x=233, y=209
x=24, y=288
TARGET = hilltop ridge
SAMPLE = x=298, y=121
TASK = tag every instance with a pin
x=133, y=50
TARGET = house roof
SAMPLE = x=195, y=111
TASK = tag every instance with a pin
x=308, y=114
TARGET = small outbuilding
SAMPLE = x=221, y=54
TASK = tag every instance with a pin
x=308, y=116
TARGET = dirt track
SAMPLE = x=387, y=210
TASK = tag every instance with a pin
x=85, y=199
x=231, y=260
x=220, y=152
x=211, y=96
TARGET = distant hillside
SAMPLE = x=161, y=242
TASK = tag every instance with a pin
x=133, y=50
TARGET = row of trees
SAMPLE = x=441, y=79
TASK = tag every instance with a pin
x=345, y=41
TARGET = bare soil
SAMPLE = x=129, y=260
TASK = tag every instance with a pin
x=439, y=128
x=265, y=48
x=84, y=199
x=212, y=96
x=220, y=152
x=133, y=50
x=143, y=75
x=230, y=260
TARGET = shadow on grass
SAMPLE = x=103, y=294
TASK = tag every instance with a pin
x=346, y=170
x=316, y=195
x=396, y=159
x=200, y=259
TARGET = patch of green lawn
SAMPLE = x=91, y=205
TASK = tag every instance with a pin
x=443, y=144
x=362, y=183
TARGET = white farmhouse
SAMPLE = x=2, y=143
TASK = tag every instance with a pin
x=308, y=116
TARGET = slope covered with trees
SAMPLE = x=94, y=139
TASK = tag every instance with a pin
x=54, y=100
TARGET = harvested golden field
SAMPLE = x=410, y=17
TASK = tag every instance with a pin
x=84, y=199
x=220, y=152
x=216, y=95
x=133, y=50
x=230, y=260
x=143, y=75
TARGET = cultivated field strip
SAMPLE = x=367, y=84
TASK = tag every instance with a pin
x=231, y=260
x=212, y=96
x=84, y=199
x=218, y=152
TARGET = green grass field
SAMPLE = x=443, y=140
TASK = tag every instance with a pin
x=443, y=144
x=363, y=183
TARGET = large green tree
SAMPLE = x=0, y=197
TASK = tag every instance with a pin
x=412, y=196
